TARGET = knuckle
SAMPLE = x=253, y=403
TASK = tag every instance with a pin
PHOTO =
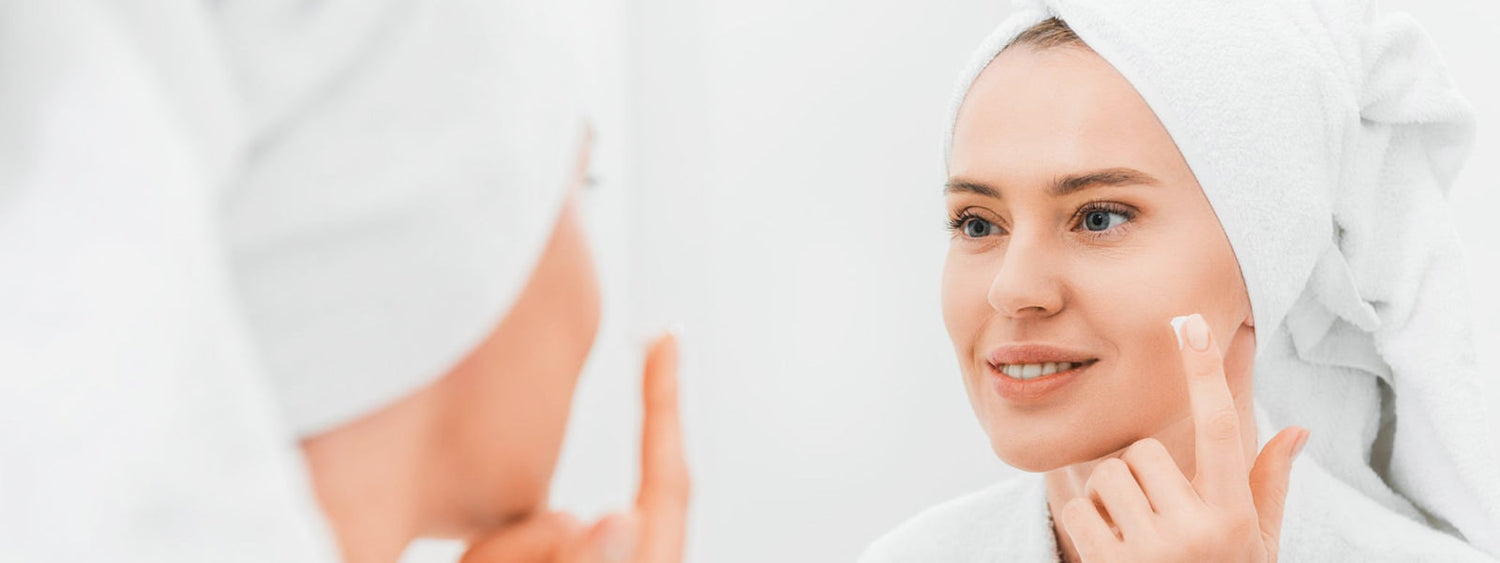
x=1114, y=464
x=1112, y=470
x=1275, y=499
x=1223, y=425
x=1144, y=450
x=1100, y=478
x=1269, y=487
x=1205, y=369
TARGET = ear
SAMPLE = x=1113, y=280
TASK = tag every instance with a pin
x=1250, y=320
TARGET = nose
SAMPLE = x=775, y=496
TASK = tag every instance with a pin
x=1027, y=283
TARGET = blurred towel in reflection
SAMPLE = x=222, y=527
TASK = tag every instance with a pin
x=406, y=171
x=224, y=225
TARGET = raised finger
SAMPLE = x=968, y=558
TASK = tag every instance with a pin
x=1222, y=477
x=662, y=500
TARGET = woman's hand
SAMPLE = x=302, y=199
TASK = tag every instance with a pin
x=1225, y=513
x=653, y=531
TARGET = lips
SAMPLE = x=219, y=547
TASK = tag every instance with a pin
x=1025, y=373
x=1022, y=354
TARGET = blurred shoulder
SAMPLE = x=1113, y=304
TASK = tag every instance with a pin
x=1007, y=520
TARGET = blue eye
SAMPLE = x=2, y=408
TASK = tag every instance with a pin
x=975, y=227
x=1099, y=220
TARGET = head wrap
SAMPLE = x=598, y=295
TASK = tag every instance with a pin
x=1326, y=136
x=407, y=166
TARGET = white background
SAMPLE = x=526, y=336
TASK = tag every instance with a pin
x=769, y=176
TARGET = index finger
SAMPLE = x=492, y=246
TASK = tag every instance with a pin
x=662, y=498
x=1222, y=478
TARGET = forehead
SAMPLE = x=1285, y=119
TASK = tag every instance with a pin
x=1032, y=115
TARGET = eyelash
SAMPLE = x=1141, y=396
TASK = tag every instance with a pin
x=956, y=223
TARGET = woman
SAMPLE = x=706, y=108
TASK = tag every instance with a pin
x=369, y=208
x=410, y=248
x=1132, y=186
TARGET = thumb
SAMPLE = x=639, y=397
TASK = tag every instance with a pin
x=1269, y=480
x=610, y=540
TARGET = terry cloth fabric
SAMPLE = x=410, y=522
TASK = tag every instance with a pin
x=220, y=216
x=408, y=162
x=1326, y=521
x=136, y=424
x=1326, y=135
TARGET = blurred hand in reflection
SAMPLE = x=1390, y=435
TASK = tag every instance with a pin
x=652, y=531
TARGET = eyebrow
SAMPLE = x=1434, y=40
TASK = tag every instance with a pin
x=1064, y=185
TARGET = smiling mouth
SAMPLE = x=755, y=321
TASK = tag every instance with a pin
x=1025, y=372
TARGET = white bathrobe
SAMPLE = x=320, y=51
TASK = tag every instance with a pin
x=1326, y=521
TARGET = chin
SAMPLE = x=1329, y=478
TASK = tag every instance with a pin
x=1031, y=461
x=499, y=502
x=1045, y=454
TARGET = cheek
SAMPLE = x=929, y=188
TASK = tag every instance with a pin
x=966, y=282
x=1129, y=303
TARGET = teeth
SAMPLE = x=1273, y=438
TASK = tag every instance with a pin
x=1030, y=371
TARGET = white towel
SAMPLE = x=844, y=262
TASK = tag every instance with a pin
x=1326, y=135
x=135, y=422
x=409, y=162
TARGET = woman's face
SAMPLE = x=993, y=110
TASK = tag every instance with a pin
x=1078, y=233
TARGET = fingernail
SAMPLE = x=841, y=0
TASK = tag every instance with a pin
x=1196, y=332
x=1192, y=330
x=1301, y=441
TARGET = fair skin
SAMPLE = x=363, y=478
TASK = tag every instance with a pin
x=1078, y=225
x=471, y=456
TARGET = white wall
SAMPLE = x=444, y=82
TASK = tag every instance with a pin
x=791, y=210
x=770, y=176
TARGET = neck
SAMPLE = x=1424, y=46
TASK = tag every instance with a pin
x=367, y=476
